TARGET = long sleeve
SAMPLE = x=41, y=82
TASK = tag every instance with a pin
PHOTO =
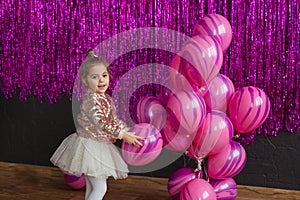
x=102, y=113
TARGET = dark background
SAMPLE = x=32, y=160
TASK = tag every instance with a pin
x=31, y=131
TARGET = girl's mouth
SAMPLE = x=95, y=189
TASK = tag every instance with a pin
x=101, y=86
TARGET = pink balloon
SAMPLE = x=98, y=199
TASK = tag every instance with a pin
x=152, y=145
x=178, y=180
x=228, y=162
x=220, y=90
x=150, y=110
x=217, y=26
x=166, y=92
x=248, y=108
x=186, y=111
x=213, y=135
x=198, y=189
x=75, y=182
x=178, y=80
x=175, y=141
x=201, y=59
x=225, y=189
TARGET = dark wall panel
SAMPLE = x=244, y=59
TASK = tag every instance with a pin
x=31, y=131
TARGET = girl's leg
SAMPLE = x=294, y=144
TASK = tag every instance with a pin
x=99, y=188
x=88, y=187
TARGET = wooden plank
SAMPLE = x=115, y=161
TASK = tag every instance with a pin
x=21, y=181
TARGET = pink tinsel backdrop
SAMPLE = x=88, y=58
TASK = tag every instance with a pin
x=43, y=43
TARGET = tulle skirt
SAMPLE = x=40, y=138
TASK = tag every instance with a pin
x=78, y=155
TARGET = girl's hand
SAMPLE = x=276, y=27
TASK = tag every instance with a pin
x=131, y=138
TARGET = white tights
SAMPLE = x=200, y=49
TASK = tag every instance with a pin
x=95, y=188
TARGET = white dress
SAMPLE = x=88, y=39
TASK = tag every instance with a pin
x=90, y=150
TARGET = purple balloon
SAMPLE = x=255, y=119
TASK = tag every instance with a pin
x=228, y=162
x=213, y=135
x=225, y=189
x=216, y=26
x=178, y=180
x=178, y=80
x=198, y=189
x=164, y=95
x=203, y=58
x=75, y=182
x=150, y=110
x=220, y=90
x=175, y=141
x=248, y=108
x=152, y=145
x=186, y=110
x=166, y=91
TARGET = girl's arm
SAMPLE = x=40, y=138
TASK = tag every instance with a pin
x=103, y=113
x=129, y=137
x=99, y=111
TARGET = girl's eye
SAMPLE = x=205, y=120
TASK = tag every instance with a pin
x=94, y=76
x=104, y=75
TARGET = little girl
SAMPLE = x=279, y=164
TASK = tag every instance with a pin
x=90, y=151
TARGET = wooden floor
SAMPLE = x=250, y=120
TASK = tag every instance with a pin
x=18, y=181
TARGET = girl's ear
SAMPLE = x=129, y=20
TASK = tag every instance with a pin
x=84, y=80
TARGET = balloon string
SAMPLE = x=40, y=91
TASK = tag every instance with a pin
x=199, y=167
x=236, y=137
x=198, y=170
x=205, y=171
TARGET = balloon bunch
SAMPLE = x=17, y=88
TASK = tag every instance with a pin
x=198, y=116
x=227, y=110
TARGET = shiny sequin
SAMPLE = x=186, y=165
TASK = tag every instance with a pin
x=97, y=118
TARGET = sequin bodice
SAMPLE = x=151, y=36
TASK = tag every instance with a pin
x=97, y=119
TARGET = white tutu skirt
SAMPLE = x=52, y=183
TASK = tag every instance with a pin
x=78, y=155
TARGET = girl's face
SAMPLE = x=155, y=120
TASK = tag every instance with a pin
x=98, y=79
